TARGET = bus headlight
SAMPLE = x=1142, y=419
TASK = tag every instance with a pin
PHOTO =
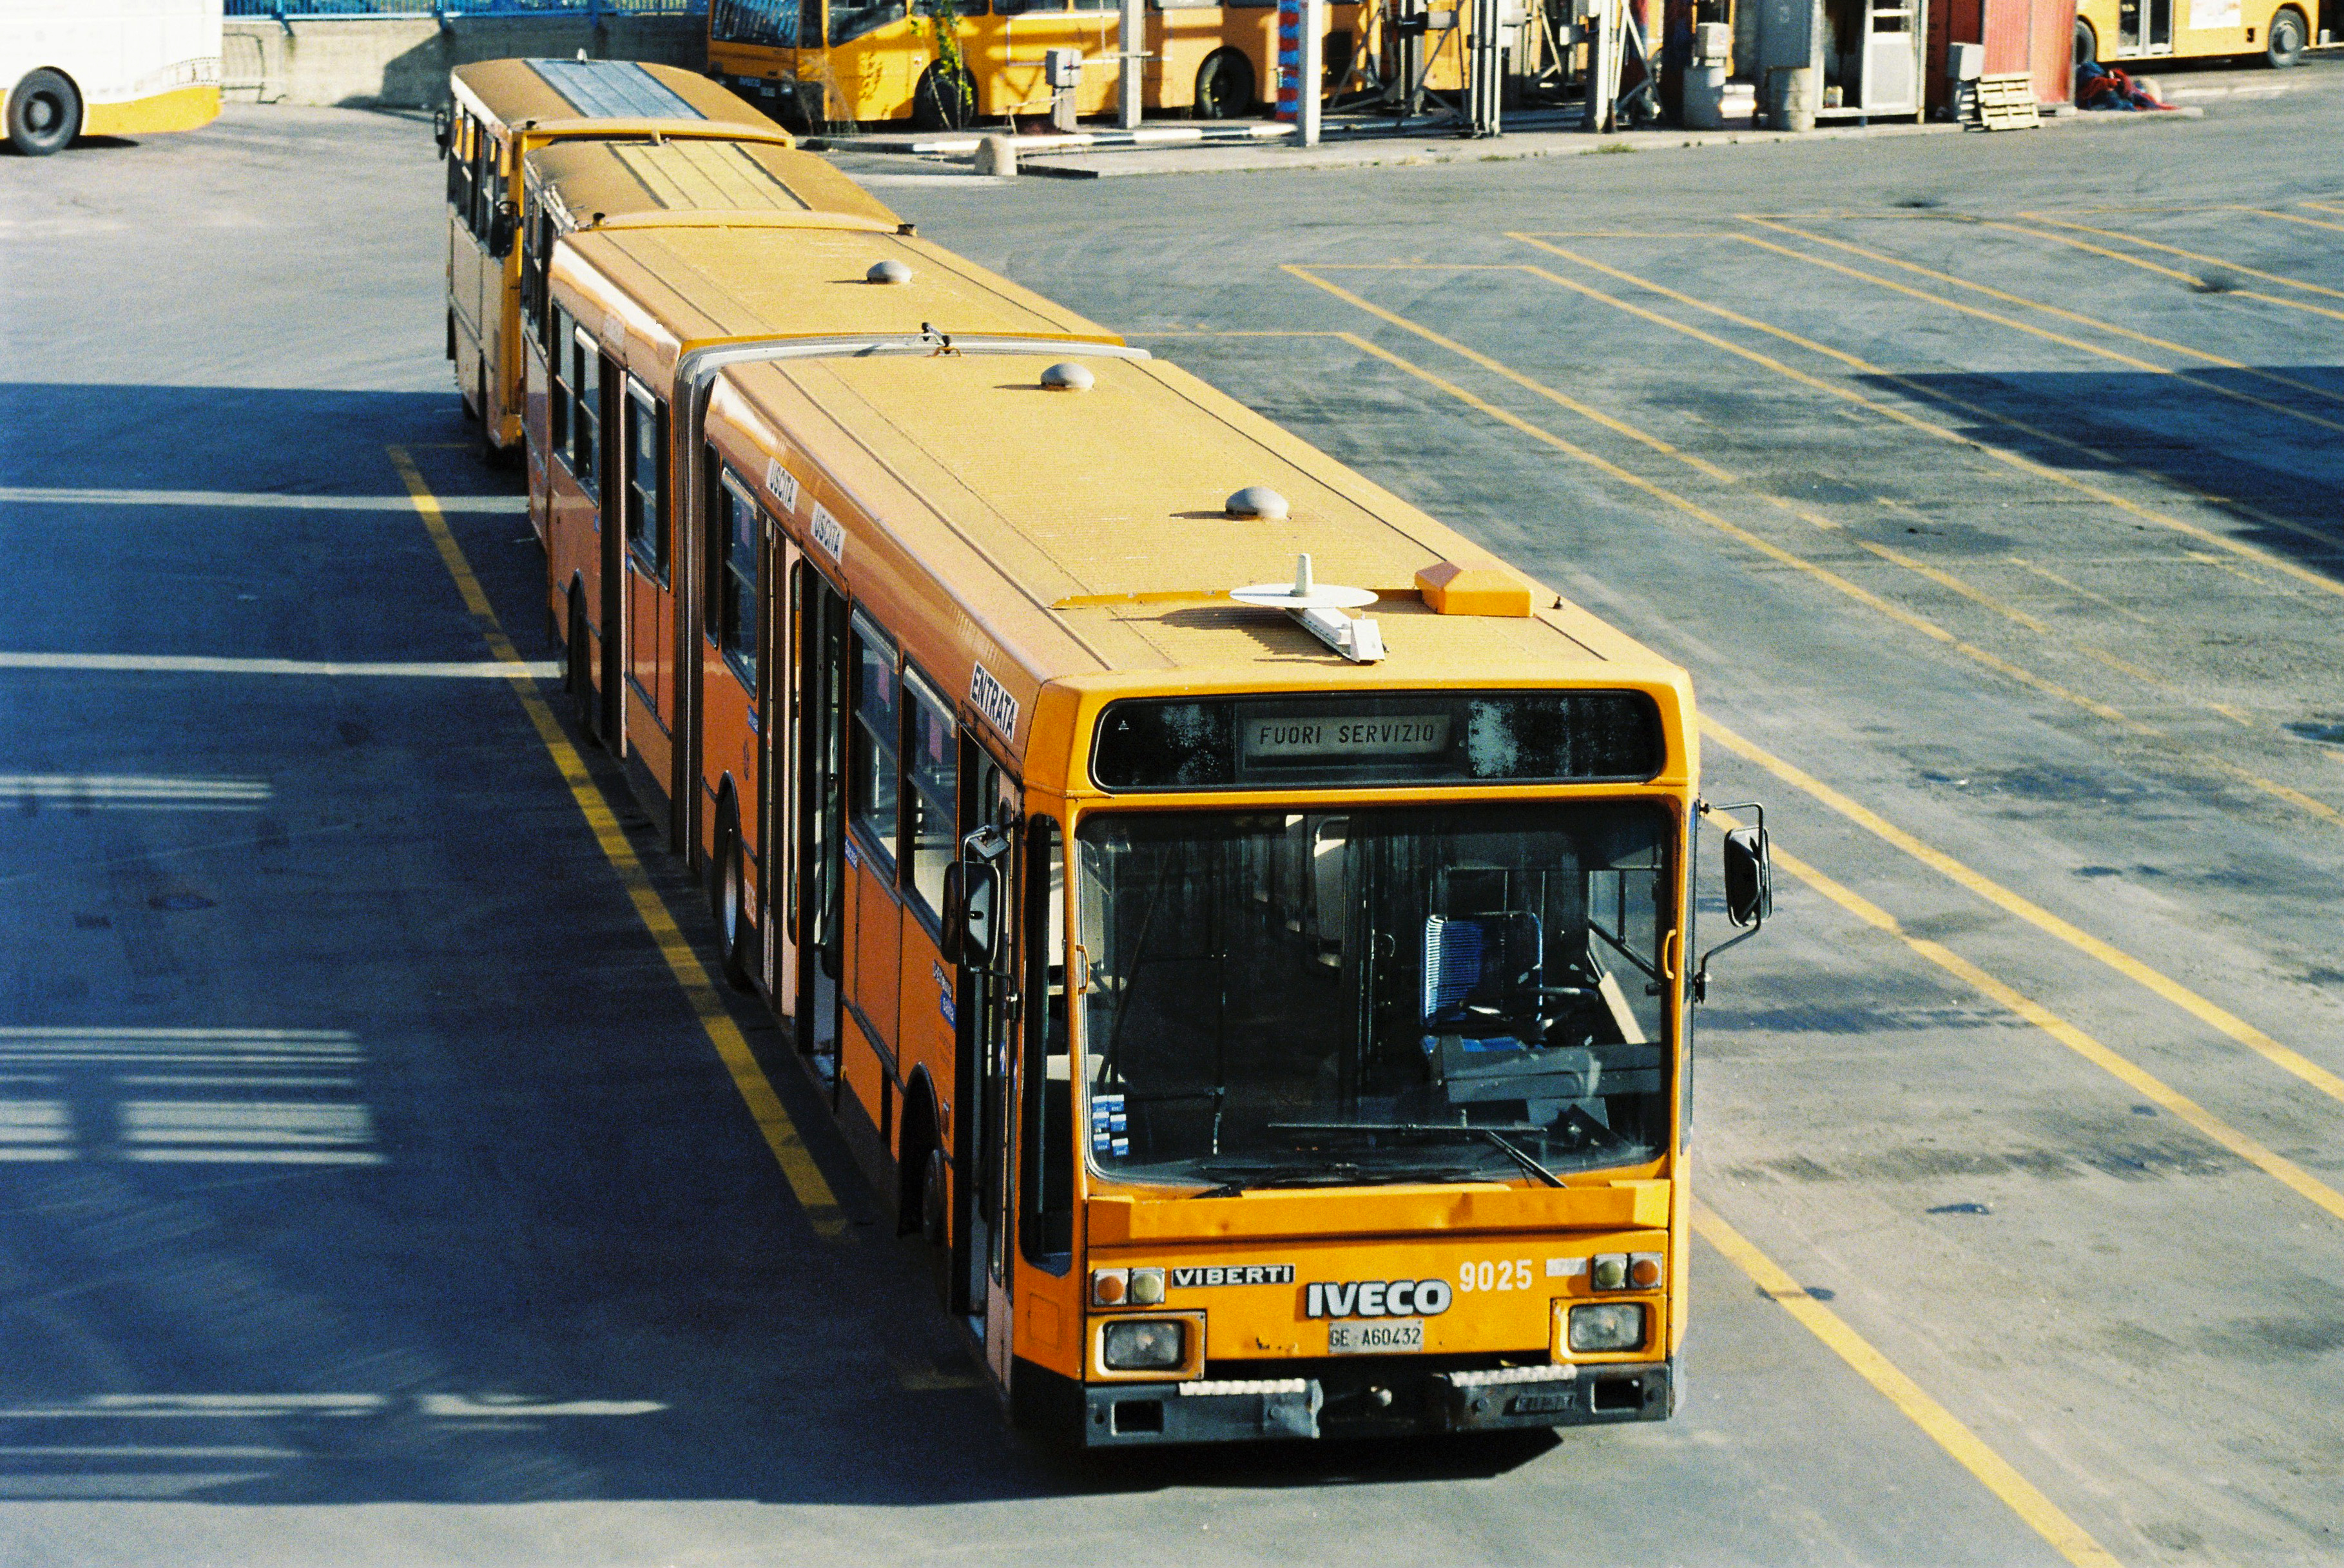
x=1147, y=1287
x=1145, y=1346
x=1612, y=1325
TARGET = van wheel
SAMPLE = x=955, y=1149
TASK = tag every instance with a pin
x=2288, y=36
x=735, y=928
x=945, y=100
x=1224, y=85
x=43, y=114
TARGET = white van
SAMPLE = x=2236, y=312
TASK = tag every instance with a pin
x=106, y=68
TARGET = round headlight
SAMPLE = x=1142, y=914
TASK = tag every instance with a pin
x=1609, y=1272
x=1147, y=1287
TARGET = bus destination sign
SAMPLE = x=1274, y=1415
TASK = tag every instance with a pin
x=1292, y=737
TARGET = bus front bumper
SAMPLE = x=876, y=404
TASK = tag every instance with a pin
x=1397, y=1400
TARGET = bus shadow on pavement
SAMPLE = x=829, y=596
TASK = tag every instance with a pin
x=2179, y=431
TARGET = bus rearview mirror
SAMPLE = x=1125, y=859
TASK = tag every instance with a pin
x=1749, y=876
x=502, y=224
x=971, y=914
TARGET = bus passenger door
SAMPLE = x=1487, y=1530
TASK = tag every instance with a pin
x=988, y=820
x=777, y=777
x=818, y=795
x=650, y=619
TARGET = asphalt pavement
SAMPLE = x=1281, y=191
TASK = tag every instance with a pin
x=370, y=1191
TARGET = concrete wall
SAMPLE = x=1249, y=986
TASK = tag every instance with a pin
x=402, y=62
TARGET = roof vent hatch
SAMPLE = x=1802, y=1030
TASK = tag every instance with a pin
x=1256, y=501
x=1066, y=376
x=888, y=271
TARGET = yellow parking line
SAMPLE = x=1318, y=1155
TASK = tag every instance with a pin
x=2119, y=235
x=2009, y=669
x=2041, y=1515
x=2142, y=1082
x=2293, y=217
x=2155, y=982
x=805, y=1180
x=2190, y=278
x=1712, y=470
x=1913, y=421
x=2064, y=314
x=2144, y=366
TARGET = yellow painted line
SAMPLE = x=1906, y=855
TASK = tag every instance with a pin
x=1978, y=883
x=2079, y=344
x=2009, y=669
x=2122, y=1068
x=2322, y=206
x=2092, y=322
x=2043, y=1516
x=2296, y=216
x=805, y=1180
x=2145, y=265
x=1914, y=421
x=1507, y=373
x=2119, y=235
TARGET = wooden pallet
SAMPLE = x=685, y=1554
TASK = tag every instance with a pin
x=2006, y=103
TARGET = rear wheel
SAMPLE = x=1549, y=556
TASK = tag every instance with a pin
x=1225, y=86
x=2288, y=37
x=2087, y=44
x=43, y=114
x=945, y=100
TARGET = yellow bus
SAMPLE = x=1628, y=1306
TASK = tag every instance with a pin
x=2116, y=31
x=1275, y=1016
x=106, y=68
x=593, y=185
x=497, y=111
x=817, y=61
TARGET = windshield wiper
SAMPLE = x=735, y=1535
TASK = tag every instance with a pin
x=1336, y=1174
x=1494, y=1137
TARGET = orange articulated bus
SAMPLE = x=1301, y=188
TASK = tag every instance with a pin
x=499, y=112
x=1245, y=925
x=593, y=185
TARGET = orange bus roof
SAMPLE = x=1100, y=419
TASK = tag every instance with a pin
x=1086, y=533
x=594, y=182
x=545, y=93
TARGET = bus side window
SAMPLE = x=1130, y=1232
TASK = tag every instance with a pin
x=459, y=168
x=872, y=777
x=852, y=18
x=1046, y=1159
x=646, y=497
x=931, y=768
x=484, y=185
x=558, y=375
x=732, y=584
x=536, y=232
x=586, y=410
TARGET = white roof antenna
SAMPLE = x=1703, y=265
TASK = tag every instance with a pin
x=1317, y=607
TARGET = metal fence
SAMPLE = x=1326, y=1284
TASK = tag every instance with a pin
x=289, y=8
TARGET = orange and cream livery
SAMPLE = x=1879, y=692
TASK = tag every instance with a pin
x=1246, y=926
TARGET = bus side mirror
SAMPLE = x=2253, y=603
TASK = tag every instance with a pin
x=503, y=224
x=443, y=128
x=972, y=928
x=1749, y=878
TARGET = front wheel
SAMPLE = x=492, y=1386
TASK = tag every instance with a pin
x=43, y=114
x=2288, y=37
x=945, y=100
x=1224, y=85
x=577, y=670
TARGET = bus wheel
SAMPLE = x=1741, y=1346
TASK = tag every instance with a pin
x=490, y=453
x=43, y=114
x=1224, y=85
x=935, y=1226
x=945, y=100
x=2087, y=44
x=733, y=924
x=2288, y=37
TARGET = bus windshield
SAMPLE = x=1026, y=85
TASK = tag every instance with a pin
x=1450, y=993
